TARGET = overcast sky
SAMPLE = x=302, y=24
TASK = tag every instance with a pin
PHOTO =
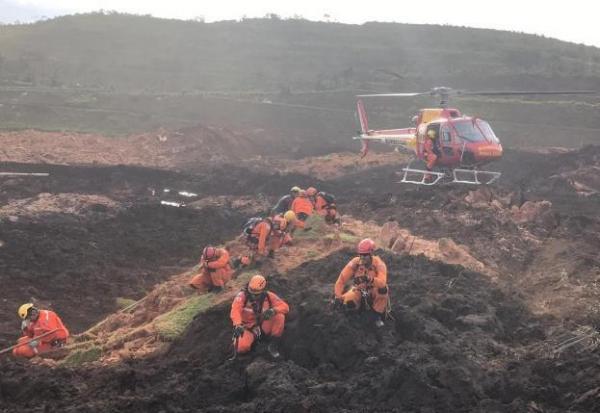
x=575, y=20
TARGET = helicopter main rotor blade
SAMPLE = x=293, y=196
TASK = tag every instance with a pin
x=528, y=92
x=393, y=94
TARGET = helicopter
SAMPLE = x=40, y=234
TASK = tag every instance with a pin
x=462, y=143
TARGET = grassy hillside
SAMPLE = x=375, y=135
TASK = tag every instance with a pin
x=121, y=73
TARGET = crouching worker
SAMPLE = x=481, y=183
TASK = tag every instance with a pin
x=215, y=270
x=369, y=291
x=325, y=206
x=42, y=331
x=257, y=313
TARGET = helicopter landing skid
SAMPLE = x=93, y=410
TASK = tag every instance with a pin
x=426, y=177
x=471, y=176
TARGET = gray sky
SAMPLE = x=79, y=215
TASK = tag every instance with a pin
x=575, y=20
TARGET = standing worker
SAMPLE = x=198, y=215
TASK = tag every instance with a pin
x=368, y=273
x=215, y=270
x=256, y=313
x=44, y=324
x=432, y=152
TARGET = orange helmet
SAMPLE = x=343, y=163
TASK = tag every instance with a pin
x=257, y=284
x=311, y=191
x=366, y=246
x=209, y=253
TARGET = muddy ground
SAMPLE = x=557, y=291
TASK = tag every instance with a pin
x=460, y=341
x=457, y=343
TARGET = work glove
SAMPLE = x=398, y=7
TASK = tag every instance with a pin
x=25, y=324
x=238, y=331
x=34, y=343
x=268, y=314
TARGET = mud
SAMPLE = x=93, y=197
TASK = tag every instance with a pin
x=459, y=340
x=457, y=343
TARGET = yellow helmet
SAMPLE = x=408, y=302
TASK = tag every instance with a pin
x=295, y=189
x=431, y=133
x=257, y=284
x=290, y=216
x=24, y=310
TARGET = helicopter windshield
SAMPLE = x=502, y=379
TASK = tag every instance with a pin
x=467, y=131
x=487, y=131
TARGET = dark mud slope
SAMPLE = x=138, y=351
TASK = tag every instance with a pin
x=123, y=182
x=457, y=344
x=530, y=176
x=80, y=267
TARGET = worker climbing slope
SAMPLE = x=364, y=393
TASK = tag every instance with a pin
x=264, y=236
x=325, y=206
x=256, y=314
x=285, y=202
x=369, y=290
x=303, y=208
x=42, y=331
x=215, y=270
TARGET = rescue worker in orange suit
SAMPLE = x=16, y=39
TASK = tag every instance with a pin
x=325, y=206
x=256, y=313
x=266, y=237
x=431, y=151
x=285, y=202
x=38, y=323
x=368, y=273
x=303, y=208
x=280, y=231
x=215, y=270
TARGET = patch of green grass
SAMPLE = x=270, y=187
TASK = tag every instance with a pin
x=318, y=228
x=349, y=238
x=123, y=302
x=172, y=324
x=78, y=357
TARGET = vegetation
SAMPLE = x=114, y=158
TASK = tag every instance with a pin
x=172, y=324
x=85, y=355
x=116, y=73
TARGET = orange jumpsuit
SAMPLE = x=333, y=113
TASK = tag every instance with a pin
x=47, y=321
x=260, y=236
x=279, y=233
x=328, y=210
x=214, y=273
x=248, y=313
x=303, y=208
x=371, y=279
x=429, y=151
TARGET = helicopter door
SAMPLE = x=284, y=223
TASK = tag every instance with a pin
x=446, y=142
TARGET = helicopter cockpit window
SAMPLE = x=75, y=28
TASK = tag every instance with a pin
x=466, y=130
x=446, y=136
x=487, y=130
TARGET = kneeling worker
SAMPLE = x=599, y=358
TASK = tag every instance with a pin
x=257, y=312
x=42, y=330
x=369, y=275
x=215, y=270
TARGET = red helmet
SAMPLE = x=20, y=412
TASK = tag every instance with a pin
x=311, y=191
x=209, y=253
x=257, y=284
x=366, y=246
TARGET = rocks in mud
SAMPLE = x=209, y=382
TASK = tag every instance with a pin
x=393, y=237
x=530, y=211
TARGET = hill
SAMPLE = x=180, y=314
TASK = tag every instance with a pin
x=117, y=74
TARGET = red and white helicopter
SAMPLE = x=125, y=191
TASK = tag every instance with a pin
x=463, y=143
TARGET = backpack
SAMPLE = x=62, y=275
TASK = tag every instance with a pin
x=330, y=199
x=248, y=227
